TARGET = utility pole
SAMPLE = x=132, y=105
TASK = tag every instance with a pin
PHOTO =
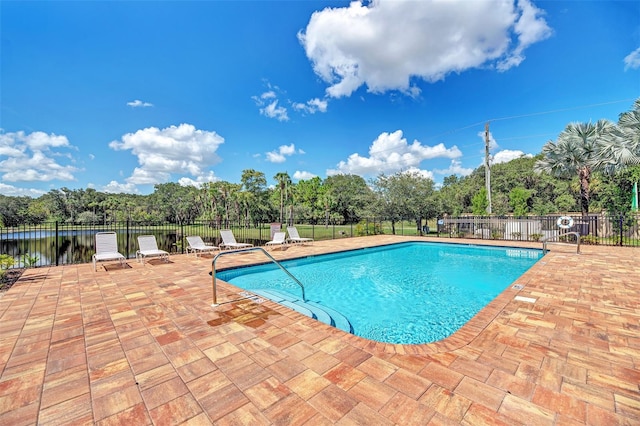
x=487, y=169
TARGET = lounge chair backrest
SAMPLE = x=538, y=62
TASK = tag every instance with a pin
x=195, y=241
x=279, y=237
x=106, y=242
x=147, y=242
x=227, y=236
x=293, y=232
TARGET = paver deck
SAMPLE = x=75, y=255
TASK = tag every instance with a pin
x=143, y=346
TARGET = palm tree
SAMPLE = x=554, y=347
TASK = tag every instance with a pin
x=621, y=147
x=244, y=201
x=284, y=181
x=578, y=150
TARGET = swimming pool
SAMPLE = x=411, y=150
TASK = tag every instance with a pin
x=415, y=292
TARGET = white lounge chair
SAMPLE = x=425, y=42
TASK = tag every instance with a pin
x=107, y=249
x=197, y=246
x=148, y=247
x=229, y=241
x=295, y=238
x=278, y=240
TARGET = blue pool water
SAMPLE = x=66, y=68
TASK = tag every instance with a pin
x=402, y=293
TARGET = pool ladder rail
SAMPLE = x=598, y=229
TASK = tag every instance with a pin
x=222, y=253
x=549, y=239
x=309, y=308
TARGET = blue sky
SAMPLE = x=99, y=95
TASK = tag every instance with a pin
x=119, y=96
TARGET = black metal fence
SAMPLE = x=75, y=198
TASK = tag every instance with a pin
x=599, y=229
x=58, y=243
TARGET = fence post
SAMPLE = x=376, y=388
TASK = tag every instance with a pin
x=181, y=238
x=621, y=233
x=127, y=239
x=57, y=236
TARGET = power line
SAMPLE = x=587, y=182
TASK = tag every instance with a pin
x=483, y=142
x=553, y=111
x=561, y=110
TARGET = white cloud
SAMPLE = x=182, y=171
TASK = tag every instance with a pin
x=312, y=106
x=455, y=168
x=279, y=155
x=302, y=175
x=390, y=153
x=14, y=191
x=272, y=110
x=270, y=106
x=180, y=150
x=530, y=28
x=114, y=187
x=185, y=181
x=139, y=104
x=507, y=155
x=275, y=157
x=492, y=142
x=268, y=103
x=422, y=173
x=503, y=156
x=35, y=157
x=632, y=60
x=383, y=44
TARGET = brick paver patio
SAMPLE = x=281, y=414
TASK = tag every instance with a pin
x=142, y=346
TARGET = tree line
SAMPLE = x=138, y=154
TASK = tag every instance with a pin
x=587, y=166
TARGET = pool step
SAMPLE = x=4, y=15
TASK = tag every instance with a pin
x=296, y=304
x=311, y=309
x=339, y=320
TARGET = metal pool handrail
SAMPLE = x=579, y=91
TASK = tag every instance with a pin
x=213, y=270
x=547, y=239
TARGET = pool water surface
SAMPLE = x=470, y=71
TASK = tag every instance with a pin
x=404, y=293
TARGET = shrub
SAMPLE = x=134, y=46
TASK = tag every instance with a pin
x=28, y=261
x=6, y=261
x=589, y=239
x=368, y=228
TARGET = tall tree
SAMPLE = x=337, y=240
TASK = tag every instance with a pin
x=350, y=195
x=614, y=191
x=620, y=148
x=519, y=199
x=576, y=152
x=309, y=198
x=255, y=198
x=479, y=203
x=284, y=183
x=406, y=195
x=13, y=210
x=176, y=203
x=449, y=197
